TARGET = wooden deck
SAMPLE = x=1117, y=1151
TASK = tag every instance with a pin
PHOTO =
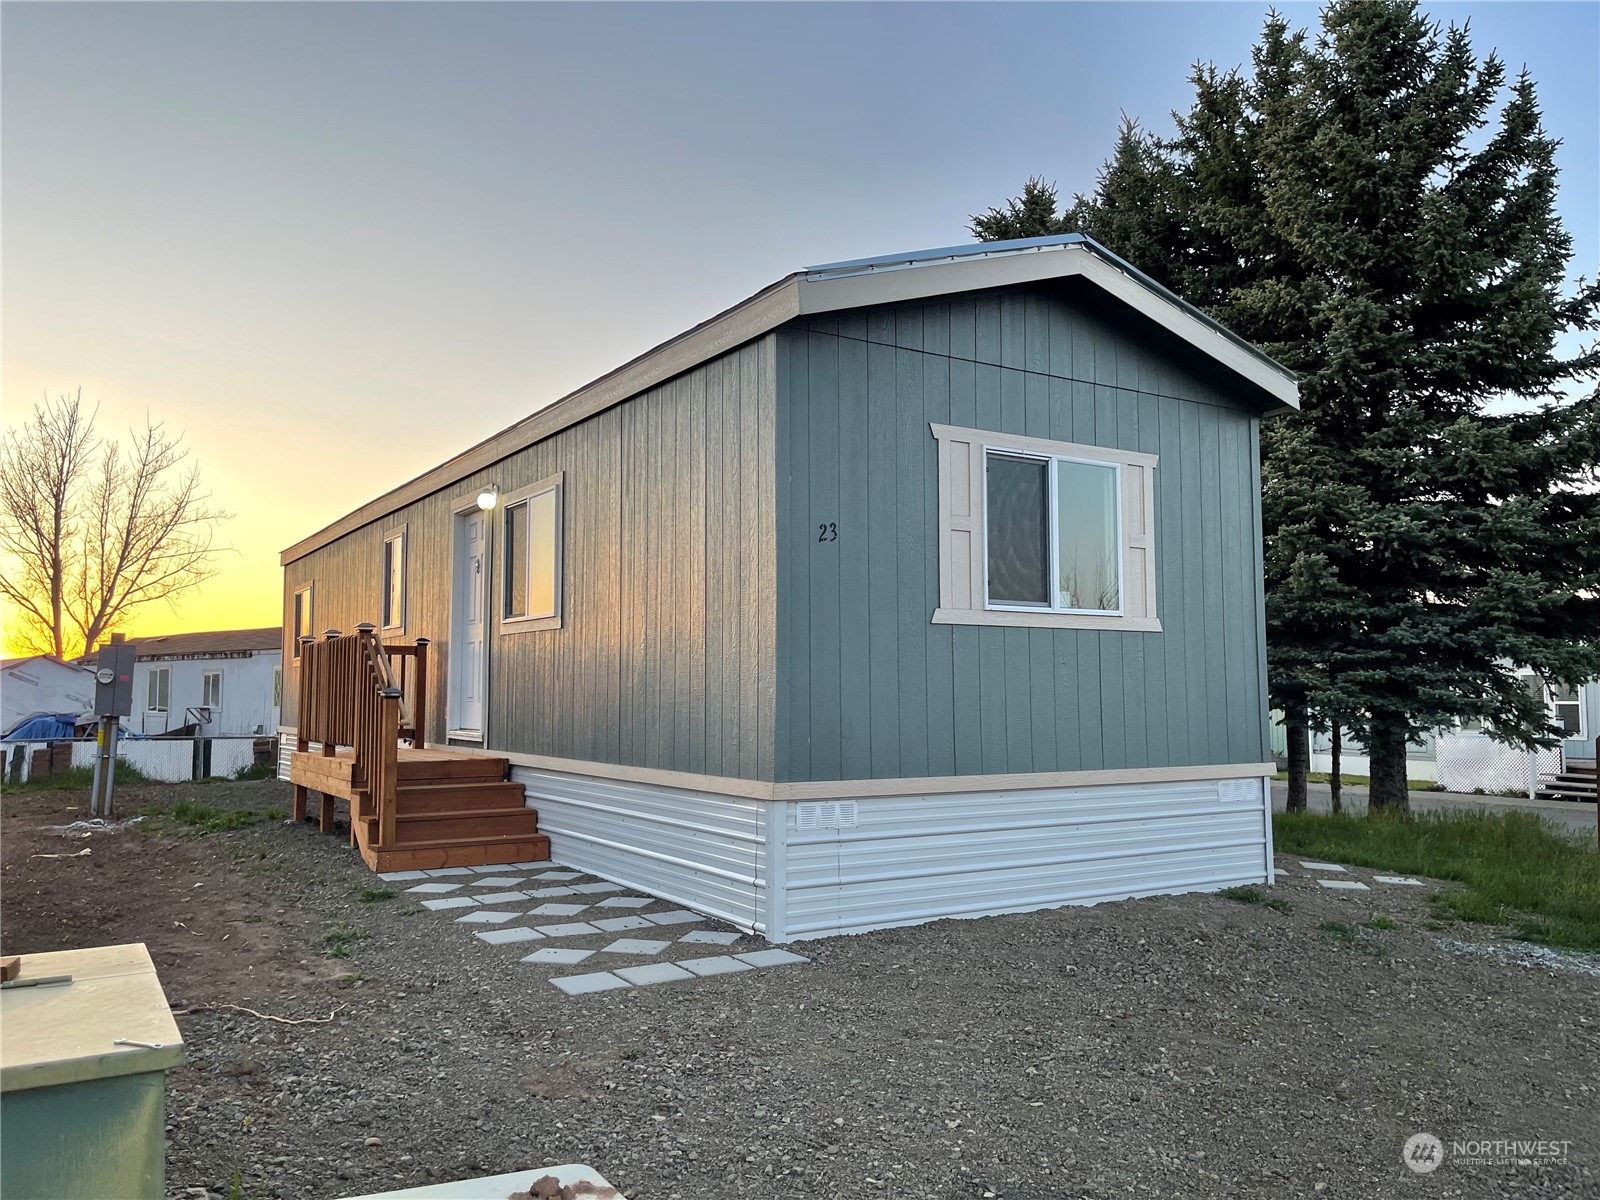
x=452, y=809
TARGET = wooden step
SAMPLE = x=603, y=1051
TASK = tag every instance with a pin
x=465, y=823
x=454, y=794
x=455, y=768
x=468, y=852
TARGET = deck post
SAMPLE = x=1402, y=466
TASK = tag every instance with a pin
x=328, y=746
x=325, y=817
x=419, y=701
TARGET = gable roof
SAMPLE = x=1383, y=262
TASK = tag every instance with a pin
x=9, y=663
x=833, y=287
x=221, y=641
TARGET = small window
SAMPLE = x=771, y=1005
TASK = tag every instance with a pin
x=211, y=689
x=277, y=687
x=1043, y=533
x=394, y=580
x=531, y=543
x=302, y=616
x=1566, y=709
x=160, y=689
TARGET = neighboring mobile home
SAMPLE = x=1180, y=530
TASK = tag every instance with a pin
x=911, y=587
x=224, y=683
x=42, y=683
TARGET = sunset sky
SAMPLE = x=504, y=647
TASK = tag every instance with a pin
x=336, y=243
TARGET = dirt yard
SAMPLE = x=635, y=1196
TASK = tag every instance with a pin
x=1173, y=1047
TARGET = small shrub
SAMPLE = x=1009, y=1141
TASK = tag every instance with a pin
x=1279, y=904
x=338, y=941
x=256, y=771
x=1337, y=931
x=1244, y=895
x=371, y=895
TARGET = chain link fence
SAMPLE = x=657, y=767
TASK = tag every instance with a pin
x=1474, y=762
x=152, y=760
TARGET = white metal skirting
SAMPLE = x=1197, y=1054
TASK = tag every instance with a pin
x=911, y=859
x=795, y=870
x=703, y=851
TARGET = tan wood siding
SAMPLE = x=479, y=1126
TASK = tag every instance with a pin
x=666, y=651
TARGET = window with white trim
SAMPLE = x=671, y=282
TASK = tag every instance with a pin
x=211, y=689
x=1044, y=533
x=302, y=616
x=159, y=689
x=530, y=571
x=1566, y=710
x=394, y=580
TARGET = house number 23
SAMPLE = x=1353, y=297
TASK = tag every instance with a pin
x=827, y=531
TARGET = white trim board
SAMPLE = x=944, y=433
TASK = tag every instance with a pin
x=798, y=295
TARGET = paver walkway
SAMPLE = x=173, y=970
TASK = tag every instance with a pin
x=625, y=939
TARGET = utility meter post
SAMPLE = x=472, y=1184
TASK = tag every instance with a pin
x=113, y=700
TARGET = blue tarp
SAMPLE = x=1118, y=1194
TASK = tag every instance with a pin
x=46, y=727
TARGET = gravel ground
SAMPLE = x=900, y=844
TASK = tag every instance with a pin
x=1168, y=1047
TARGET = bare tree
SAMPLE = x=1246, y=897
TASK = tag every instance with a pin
x=92, y=530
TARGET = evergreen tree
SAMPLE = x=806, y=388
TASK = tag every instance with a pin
x=1375, y=207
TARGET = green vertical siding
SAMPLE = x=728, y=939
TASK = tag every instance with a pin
x=871, y=688
x=666, y=654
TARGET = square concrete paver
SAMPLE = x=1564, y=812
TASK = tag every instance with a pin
x=550, y=891
x=502, y=897
x=595, y=889
x=566, y=955
x=450, y=902
x=497, y=881
x=721, y=964
x=767, y=958
x=1344, y=885
x=483, y=917
x=1399, y=880
x=653, y=973
x=1323, y=867
x=523, y=866
x=488, y=868
x=504, y=937
x=710, y=937
x=678, y=916
x=438, y=871
x=435, y=889
x=626, y=902
x=618, y=924
x=582, y=985
x=397, y=876
x=557, y=910
x=570, y=929
x=561, y=874
x=635, y=946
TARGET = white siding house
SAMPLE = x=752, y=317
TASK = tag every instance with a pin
x=224, y=684
x=42, y=684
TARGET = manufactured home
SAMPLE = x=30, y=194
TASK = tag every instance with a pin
x=910, y=587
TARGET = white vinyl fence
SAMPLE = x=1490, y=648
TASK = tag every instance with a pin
x=1474, y=762
x=160, y=760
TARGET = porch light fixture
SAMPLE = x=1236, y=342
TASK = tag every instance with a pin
x=489, y=497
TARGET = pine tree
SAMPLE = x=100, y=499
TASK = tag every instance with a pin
x=1375, y=207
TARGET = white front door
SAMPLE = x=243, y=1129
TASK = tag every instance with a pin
x=469, y=623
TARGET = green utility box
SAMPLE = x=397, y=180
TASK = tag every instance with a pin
x=82, y=1116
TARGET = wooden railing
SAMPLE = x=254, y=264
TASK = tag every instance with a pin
x=351, y=695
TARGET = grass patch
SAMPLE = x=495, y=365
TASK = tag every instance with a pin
x=1383, y=923
x=256, y=771
x=1244, y=895
x=338, y=941
x=1361, y=781
x=371, y=895
x=75, y=779
x=194, y=819
x=1512, y=869
x=1279, y=904
x=1338, y=931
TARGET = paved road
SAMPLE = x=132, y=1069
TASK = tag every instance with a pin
x=1579, y=818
